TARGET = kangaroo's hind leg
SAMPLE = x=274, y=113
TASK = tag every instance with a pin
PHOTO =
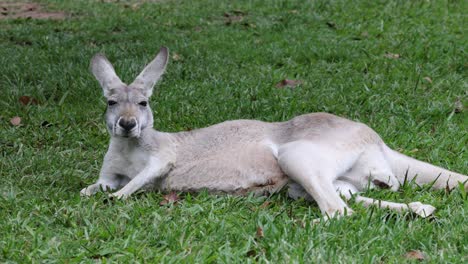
x=373, y=170
x=348, y=191
x=314, y=167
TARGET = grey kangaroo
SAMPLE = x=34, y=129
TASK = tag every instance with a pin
x=319, y=156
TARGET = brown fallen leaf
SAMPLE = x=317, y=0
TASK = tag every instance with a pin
x=288, y=83
x=260, y=232
x=27, y=100
x=16, y=121
x=392, y=55
x=176, y=57
x=428, y=79
x=415, y=254
x=265, y=204
x=232, y=18
x=170, y=198
x=458, y=106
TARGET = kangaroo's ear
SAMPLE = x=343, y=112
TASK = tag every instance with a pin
x=105, y=74
x=152, y=72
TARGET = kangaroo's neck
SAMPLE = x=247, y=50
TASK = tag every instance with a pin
x=124, y=143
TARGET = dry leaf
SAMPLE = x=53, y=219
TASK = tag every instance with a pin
x=176, y=57
x=27, y=100
x=428, y=79
x=16, y=121
x=415, y=254
x=259, y=232
x=233, y=19
x=265, y=204
x=392, y=55
x=288, y=83
x=458, y=106
x=230, y=18
x=170, y=198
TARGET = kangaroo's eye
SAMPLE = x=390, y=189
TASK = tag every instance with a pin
x=111, y=102
x=143, y=103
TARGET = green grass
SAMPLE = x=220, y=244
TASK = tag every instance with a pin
x=229, y=72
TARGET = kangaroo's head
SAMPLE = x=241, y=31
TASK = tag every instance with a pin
x=128, y=111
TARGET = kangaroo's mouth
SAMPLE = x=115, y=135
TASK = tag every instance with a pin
x=127, y=134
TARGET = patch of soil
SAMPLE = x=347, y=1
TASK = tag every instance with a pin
x=14, y=10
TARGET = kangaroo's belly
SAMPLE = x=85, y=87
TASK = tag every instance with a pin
x=237, y=170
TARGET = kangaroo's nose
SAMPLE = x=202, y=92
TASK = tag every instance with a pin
x=127, y=124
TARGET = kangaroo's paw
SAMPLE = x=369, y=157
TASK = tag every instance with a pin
x=423, y=210
x=119, y=195
x=90, y=190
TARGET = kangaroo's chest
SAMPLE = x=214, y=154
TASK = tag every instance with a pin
x=132, y=161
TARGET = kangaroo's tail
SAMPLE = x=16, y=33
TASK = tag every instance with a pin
x=406, y=168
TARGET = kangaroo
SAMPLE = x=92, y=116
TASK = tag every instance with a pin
x=318, y=156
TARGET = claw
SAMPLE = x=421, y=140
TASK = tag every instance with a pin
x=118, y=196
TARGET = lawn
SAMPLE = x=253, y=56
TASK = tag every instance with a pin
x=398, y=66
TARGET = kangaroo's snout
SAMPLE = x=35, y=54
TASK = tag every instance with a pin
x=127, y=124
x=127, y=127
